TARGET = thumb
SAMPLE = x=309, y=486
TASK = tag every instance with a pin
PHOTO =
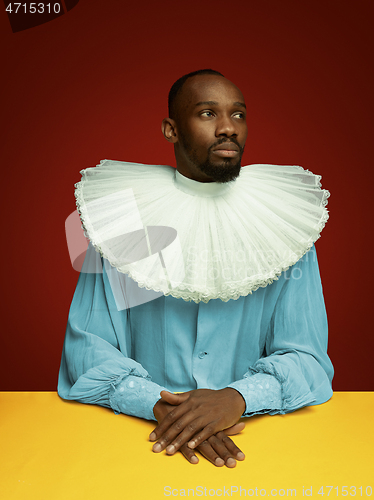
x=174, y=399
x=234, y=429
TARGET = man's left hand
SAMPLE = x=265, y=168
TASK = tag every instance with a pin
x=197, y=415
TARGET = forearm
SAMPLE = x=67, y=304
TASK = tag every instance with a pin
x=284, y=382
x=296, y=366
x=95, y=366
x=110, y=379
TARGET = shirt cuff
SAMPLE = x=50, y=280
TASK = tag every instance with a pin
x=261, y=392
x=135, y=396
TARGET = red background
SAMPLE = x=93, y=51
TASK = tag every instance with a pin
x=93, y=84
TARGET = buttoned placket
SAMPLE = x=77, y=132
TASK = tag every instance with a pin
x=201, y=358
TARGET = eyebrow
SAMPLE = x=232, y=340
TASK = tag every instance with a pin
x=214, y=103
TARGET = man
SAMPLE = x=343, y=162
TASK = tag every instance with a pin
x=231, y=314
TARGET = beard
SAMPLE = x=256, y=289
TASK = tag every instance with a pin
x=226, y=171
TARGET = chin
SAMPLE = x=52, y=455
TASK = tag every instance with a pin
x=223, y=172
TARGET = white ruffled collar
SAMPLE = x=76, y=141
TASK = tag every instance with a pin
x=201, y=241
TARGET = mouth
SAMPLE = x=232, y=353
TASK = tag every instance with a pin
x=226, y=150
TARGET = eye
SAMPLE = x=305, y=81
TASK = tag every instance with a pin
x=207, y=114
x=239, y=115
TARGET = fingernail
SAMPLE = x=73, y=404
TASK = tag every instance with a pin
x=194, y=459
x=157, y=447
x=191, y=444
x=152, y=436
x=231, y=462
x=170, y=449
x=219, y=462
x=240, y=456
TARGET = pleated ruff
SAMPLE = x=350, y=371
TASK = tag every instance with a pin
x=201, y=241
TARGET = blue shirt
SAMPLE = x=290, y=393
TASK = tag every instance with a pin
x=270, y=345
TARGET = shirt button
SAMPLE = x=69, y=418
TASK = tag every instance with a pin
x=202, y=354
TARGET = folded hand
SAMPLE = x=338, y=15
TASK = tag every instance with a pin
x=201, y=419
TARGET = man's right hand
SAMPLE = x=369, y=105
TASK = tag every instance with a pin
x=218, y=449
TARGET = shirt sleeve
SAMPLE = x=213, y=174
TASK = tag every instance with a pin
x=295, y=370
x=95, y=365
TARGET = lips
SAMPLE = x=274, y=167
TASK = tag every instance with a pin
x=226, y=150
x=227, y=146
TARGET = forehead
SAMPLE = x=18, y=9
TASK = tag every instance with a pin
x=202, y=88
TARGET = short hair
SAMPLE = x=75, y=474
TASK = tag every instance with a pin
x=177, y=87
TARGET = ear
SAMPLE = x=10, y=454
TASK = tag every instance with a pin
x=169, y=129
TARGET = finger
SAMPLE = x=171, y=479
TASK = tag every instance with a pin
x=189, y=454
x=218, y=445
x=188, y=431
x=177, y=434
x=206, y=449
x=208, y=431
x=166, y=423
x=230, y=445
x=174, y=399
x=234, y=429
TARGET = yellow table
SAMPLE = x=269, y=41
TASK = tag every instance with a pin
x=51, y=449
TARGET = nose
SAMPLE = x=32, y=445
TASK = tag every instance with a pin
x=226, y=126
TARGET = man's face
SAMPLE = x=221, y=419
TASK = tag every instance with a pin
x=211, y=129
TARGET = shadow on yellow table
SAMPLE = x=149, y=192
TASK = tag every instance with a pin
x=51, y=450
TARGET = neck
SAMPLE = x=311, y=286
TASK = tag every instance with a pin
x=198, y=188
x=195, y=176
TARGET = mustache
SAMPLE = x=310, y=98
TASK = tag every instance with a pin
x=225, y=140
